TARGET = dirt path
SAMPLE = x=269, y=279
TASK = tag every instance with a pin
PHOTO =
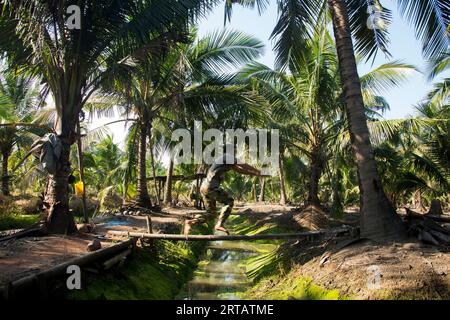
x=370, y=271
x=364, y=270
x=26, y=256
x=30, y=255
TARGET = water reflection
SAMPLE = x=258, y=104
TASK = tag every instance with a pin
x=220, y=275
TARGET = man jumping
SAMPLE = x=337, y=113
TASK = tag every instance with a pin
x=213, y=193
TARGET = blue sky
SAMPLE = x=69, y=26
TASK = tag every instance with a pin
x=403, y=47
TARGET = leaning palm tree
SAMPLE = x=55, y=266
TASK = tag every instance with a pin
x=74, y=61
x=296, y=23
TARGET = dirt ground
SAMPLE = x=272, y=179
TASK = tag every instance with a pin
x=26, y=256
x=23, y=257
x=362, y=270
x=369, y=271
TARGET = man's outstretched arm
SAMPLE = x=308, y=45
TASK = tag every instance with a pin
x=247, y=169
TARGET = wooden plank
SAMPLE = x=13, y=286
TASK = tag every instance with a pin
x=179, y=237
x=117, y=259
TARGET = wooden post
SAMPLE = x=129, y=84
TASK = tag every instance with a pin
x=161, y=189
x=197, y=193
x=262, y=195
x=149, y=224
x=81, y=168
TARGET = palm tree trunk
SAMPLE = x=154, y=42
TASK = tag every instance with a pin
x=316, y=172
x=152, y=156
x=337, y=207
x=283, y=198
x=262, y=194
x=143, y=199
x=168, y=191
x=254, y=196
x=379, y=220
x=125, y=190
x=56, y=200
x=5, y=178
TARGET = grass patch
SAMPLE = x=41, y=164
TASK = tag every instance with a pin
x=17, y=221
x=290, y=286
x=156, y=273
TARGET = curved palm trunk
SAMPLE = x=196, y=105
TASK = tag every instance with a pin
x=5, y=178
x=283, y=198
x=59, y=219
x=143, y=198
x=168, y=190
x=378, y=218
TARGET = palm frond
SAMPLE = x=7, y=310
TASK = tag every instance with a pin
x=369, y=41
x=385, y=77
x=224, y=50
x=260, y=4
x=439, y=65
x=430, y=19
x=295, y=26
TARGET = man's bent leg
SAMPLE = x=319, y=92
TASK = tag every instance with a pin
x=228, y=202
x=210, y=213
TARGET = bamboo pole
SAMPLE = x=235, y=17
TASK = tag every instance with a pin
x=81, y=168
x=179, y=237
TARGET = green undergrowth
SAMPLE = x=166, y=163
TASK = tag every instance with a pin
x=270, y=270
x=17, y=221
x=290, y=286
x=241, y=225
x=153, y=273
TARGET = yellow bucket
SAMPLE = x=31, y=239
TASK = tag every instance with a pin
x=79, y=188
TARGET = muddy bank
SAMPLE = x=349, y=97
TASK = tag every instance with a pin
x=363, y=270
x=156, y=271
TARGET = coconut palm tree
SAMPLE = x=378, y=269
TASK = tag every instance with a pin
x=296, y=22
x=185, y=82
x=18, y=100
x=308, y=101
x=73, y=62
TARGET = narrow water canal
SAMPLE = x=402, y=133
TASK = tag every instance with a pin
x=221, y=275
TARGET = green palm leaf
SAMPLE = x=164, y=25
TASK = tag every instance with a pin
x=430, y=19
